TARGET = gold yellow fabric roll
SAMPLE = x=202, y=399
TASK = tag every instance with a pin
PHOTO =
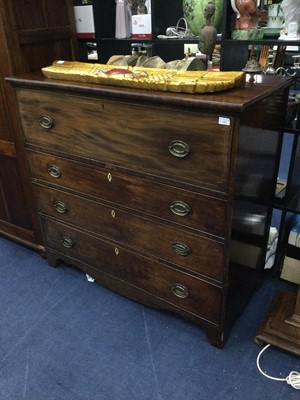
x=145, y=78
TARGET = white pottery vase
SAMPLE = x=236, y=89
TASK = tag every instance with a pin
x=275, y=16
x=193, y=12
x=122, y=29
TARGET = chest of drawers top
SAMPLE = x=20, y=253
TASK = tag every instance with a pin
x=235, y=100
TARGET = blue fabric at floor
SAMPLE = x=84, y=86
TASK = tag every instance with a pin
x=63, y=338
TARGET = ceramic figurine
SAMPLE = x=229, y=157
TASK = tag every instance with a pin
x=291, y=13
x=246, y=14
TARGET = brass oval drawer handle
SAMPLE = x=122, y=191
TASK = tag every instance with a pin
x=181, y=249
x=67, y=242
x=60, y=207
x=46, y=122
x=180, y=291
x=180, y=208
x=179, y=149
x=54, y=171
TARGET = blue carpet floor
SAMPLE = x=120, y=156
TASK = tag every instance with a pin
x=63, y=338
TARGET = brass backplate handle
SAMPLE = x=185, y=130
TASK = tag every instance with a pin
x=180, y=208
x=181, y=249
x=60, y=207
x=67, y=242
x=54, y=171
x=46, y=122
x=179, y=149
x=180, y=291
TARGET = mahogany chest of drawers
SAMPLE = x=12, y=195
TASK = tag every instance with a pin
x=164, y=198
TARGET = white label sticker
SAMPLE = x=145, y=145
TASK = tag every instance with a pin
x=224, y=121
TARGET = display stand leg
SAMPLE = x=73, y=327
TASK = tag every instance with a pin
x=281, y=327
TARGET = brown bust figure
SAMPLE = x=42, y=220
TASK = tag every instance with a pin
x=208, y=33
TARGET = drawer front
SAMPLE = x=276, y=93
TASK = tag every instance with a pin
x=187, y=146
x=189, y=251
x=204, y=213
x=188, y=293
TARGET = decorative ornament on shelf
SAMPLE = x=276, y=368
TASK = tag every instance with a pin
x=275, y=20
x=275, y=16
x=252, y=67
x=123, y=29
x=193, y=12
x=208, y=34
x=246, y=24
x=291, y=13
